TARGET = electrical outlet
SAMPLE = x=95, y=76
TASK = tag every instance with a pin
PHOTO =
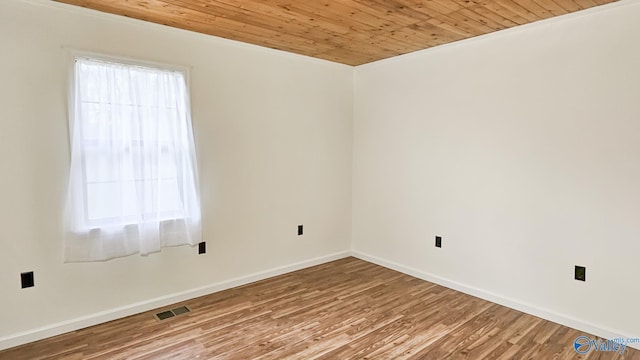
x=580, y=273
x=438, y=241
x=26, y=279
x=300, y=230
x=202, y=247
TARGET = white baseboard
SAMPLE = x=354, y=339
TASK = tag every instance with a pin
x=120, y=312
x=132, y=309
x=501, y=300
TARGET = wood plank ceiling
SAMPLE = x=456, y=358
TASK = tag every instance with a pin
x=351, y=32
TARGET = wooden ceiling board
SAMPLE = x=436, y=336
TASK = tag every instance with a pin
x=351, y=32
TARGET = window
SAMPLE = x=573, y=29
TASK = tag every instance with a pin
x=133, y=183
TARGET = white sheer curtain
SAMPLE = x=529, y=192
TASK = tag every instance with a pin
x=133, y=181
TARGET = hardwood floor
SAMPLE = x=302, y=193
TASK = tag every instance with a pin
x=346, y=309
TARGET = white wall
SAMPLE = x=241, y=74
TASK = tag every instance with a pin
x=521, y=149
x=273, y=133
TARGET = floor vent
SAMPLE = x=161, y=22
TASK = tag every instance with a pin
x=167, y=314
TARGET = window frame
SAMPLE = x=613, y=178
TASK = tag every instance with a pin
x=74, y=55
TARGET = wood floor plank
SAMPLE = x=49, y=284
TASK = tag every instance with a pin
x=346, y=309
